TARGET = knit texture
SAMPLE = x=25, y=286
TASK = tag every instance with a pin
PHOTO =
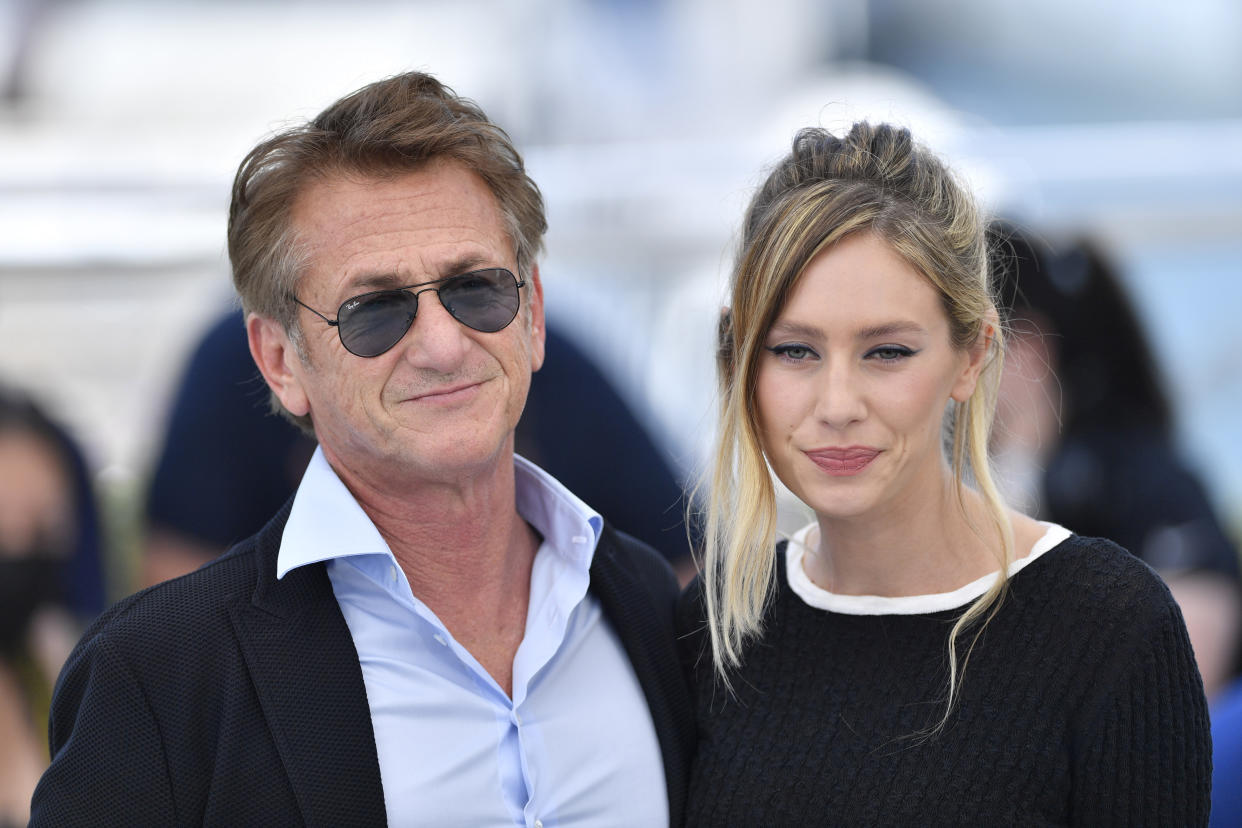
x=1081, y=705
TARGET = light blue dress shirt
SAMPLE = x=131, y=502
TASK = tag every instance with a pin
x=574, y=746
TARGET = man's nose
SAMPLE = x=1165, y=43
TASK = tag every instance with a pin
x=436, y=340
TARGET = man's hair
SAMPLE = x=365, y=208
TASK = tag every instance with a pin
x=390, y=127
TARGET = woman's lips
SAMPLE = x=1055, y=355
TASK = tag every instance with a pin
x=842, y=462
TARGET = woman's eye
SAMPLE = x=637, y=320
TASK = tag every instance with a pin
x=792, y=352
x=891, y=353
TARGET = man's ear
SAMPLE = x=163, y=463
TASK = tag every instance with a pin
x=538, y=329
x=278, y=362
x=978, y=354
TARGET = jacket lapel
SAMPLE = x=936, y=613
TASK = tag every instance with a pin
x=644, y=624
x=305, y=670
x=306, y=673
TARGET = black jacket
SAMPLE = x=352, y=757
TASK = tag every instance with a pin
x=228, y=697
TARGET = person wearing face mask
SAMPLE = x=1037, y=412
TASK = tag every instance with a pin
x=40, y=508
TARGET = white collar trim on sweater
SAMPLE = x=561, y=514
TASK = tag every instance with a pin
x=820, y=598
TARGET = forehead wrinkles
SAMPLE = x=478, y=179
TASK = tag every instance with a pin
x=387, y=217
x=408, y=228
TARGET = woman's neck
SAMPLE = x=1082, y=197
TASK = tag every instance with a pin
x=931, y=545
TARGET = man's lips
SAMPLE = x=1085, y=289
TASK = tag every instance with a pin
x=446, y=394
x=843, y=461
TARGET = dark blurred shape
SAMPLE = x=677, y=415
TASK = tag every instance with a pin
x=577, y=427
x=83, y=587
x=26, y=20
x=1105, y=361
x=227, y=464
x=49, y=568
x=1112, y=468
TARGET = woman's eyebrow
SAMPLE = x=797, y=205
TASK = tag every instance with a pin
x=870, y=332
x=889, y=329
x=797, y=329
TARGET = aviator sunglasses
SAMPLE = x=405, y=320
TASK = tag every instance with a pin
x=371, y=323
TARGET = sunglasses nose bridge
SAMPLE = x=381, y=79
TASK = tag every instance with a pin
x=416, y=292
x=418, y=306
x=436, y=338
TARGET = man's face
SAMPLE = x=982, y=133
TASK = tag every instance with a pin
x=441, y=405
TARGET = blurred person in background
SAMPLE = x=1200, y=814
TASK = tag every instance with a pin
x=433, y=630
x=1084, y=434
x=581, y=428
x=45, y=506
x=227, y=463
x=920, y=653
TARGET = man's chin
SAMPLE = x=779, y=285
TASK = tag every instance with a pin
x=455, y=458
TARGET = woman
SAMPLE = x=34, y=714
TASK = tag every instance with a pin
x=42, y=513
x=1077, y=354
x=918, y=654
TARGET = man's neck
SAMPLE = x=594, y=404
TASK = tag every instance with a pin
x=467, y=555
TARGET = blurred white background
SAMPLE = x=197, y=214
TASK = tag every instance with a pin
x=646, y=123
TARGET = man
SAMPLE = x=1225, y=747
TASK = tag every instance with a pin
x=433, y=631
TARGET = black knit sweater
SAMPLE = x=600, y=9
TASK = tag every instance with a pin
x=1081, y=705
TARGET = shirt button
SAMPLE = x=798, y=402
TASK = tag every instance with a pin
x=392, y=572
x=517, y=718
x=441, y=640
x=539, y=823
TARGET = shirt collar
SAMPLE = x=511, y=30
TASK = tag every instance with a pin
x=567, y=524
x=326, y=521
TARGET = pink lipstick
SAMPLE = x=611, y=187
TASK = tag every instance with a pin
x=843, y=462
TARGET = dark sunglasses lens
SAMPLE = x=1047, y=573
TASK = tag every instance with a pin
x=372, y=324
x=486, y=300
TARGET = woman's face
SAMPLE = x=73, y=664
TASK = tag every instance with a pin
x=853, y=381
x=36, y=496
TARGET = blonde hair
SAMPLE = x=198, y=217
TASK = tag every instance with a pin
x=877, y=180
